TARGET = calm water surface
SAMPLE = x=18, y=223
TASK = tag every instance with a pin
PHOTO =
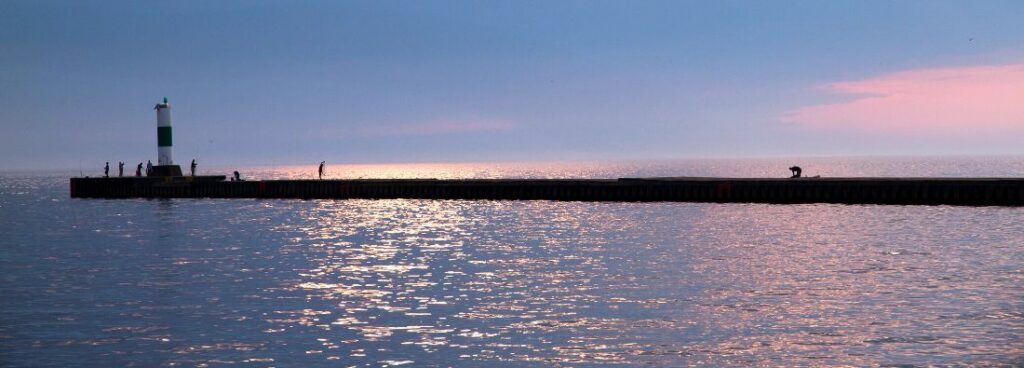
x=294, y=283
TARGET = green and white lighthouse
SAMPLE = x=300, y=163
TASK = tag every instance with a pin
x=163, y=133
x=165, y=161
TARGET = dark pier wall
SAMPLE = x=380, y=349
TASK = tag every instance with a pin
x=926, y=191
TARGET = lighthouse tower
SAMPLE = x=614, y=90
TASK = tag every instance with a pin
x=165, y=163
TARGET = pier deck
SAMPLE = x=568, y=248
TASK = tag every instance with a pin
x=896, y=191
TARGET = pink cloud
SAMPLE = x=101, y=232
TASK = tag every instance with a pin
x=943, y=101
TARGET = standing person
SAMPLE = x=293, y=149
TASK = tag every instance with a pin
x=138, y=170
x=238, y=177
x=321, y=170
x=149, y=167
x=120, y=169
x=106, y=170
x=193, y=167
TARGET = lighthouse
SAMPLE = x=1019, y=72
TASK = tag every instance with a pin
x=163, y=133
x=165, y=162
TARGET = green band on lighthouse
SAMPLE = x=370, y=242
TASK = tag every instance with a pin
x=163, y=136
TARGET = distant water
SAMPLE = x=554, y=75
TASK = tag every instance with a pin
x=296, y=283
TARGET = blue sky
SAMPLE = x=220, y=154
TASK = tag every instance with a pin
x=288, y=82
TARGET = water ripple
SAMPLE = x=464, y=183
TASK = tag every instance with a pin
x=504, y=283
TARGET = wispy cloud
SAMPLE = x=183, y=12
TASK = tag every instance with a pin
x=448, y=127
x=438, y=127
x=941, y=101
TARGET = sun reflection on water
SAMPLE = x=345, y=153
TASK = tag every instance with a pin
x=591, y=283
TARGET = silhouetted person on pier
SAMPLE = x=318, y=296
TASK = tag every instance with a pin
x=796, y=171
x=238, y=177
x=193, y=167
x=149, y=167
x=106, y=170
x=321, y=170
x=138, y=170
x=120, y=169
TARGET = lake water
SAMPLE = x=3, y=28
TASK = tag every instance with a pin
x=296, y=283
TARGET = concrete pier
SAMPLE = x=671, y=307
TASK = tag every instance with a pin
x=894, y=191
